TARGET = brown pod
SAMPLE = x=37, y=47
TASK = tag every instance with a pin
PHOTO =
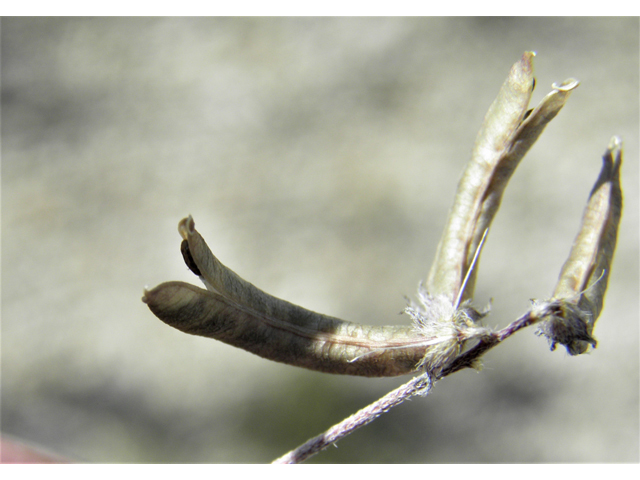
x=289, y=334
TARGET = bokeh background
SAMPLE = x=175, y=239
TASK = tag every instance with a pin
x=319, y=158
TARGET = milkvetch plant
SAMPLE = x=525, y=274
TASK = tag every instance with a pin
x=446, y=333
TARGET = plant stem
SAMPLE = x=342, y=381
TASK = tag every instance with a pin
x=420, y=385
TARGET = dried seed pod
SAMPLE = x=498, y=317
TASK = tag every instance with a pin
x=290, y=334
x=507, y=133
x=236, y=312
x=583, y=281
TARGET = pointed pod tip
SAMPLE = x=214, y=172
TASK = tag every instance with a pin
x=613, y=155
x=186, y=227
x=170, y=295
x=150, y=295
x=520, y=77
x=527, y=61
x=566, y=86
x=145, y=292
x=615, y=144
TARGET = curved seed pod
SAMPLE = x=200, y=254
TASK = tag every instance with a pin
x=584, y=277
x=306, y=339
x=224, y=281
x=236, y=312
x=507, y=133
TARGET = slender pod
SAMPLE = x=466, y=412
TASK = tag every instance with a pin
x=502, y=119
x=583, y=281
x=507, y=133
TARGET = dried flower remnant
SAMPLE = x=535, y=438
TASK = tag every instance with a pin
x=579, y=294
x=454, y=325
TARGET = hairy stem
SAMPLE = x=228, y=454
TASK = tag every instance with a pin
x=420, y=385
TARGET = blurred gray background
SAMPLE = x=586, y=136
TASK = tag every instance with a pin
x=319, y=158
